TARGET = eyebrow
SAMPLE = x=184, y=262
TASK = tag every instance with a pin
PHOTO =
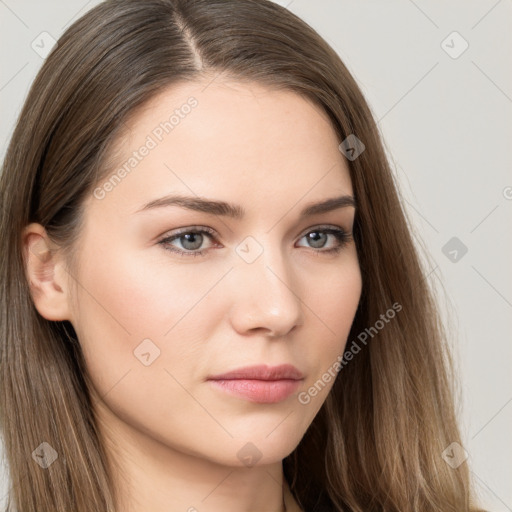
x=236, y=211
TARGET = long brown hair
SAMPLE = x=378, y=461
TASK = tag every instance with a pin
x=377, y=442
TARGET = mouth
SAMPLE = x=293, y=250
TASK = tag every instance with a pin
x=261, y=383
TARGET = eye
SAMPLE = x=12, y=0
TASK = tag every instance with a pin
x=319, y=236
x=192, y=238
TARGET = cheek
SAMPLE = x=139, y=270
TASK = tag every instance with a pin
x=331, y=309
x=333, y=302
x=141, y=295
x=124, y=300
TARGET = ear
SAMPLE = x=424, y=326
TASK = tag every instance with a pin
x=45, y=271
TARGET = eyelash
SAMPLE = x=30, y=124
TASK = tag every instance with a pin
x=341, y=236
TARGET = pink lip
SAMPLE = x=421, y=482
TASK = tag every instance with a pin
x=260, y=383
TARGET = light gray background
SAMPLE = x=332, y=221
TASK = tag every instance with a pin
x=447, y=126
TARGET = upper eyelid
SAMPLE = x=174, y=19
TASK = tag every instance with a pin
x=194, y=229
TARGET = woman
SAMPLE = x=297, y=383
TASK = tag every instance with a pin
x=211, y=296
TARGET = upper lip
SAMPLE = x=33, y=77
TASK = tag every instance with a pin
x=261, y=372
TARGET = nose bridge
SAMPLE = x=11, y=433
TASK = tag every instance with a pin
x=267, y=294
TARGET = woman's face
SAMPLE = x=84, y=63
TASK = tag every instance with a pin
x=156, y=319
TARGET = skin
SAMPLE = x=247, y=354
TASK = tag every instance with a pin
x=172, y=436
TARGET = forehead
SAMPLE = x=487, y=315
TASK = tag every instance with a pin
x=227, y=138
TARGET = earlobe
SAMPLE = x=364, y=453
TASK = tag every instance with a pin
x=45, y=273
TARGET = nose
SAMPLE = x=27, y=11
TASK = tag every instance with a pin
x=266, y=298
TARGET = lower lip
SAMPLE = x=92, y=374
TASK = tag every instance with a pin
x=261, y=391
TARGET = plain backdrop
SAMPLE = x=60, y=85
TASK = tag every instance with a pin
x=437, y=78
